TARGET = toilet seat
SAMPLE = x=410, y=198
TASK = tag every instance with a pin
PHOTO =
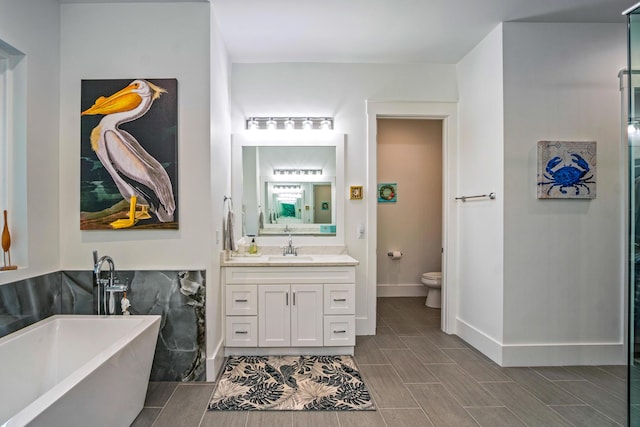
x=433, y=278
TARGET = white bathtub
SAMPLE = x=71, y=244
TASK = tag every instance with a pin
x=72, y=371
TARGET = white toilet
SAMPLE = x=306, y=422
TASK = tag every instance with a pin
x=433, y=282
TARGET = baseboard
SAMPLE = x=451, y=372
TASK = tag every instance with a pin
x=215, y=362
x=487, y=345
x=364, y=326
x=402, y=290
x=541, y=354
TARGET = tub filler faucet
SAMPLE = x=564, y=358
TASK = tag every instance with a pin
x=109, y=285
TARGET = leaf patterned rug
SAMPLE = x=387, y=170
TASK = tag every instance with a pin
x=290, y=383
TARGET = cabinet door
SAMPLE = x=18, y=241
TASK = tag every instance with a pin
x=274, y=325
x=306, y=316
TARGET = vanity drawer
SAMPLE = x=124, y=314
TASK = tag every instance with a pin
x=339, y=331
x=241, y=300
x=241, y=331
x=339, y=298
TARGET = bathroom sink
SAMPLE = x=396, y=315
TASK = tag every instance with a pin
x=289, y=258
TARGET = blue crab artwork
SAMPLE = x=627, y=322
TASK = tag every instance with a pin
x=572, y=176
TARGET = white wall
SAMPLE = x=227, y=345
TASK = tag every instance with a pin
x=33, y=28
x=162, y=40
x=220, y=175
x=563, y=260
x=153, y=40
x=339, y=90
x=480, y=163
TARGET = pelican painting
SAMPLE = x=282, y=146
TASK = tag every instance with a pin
x=129, y=154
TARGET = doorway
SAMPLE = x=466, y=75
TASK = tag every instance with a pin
x=409, y=160
x=447, y=113
x=322, y=204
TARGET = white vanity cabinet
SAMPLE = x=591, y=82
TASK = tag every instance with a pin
x=290, y=315
x=289, y=310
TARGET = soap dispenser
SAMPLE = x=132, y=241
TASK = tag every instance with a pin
x=253, y=248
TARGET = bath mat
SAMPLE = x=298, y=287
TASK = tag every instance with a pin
x=291, y=383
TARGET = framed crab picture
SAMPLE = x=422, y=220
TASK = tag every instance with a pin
x=566, y=170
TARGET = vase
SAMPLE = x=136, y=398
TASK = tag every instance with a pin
x=6, y=237
x=6, y=244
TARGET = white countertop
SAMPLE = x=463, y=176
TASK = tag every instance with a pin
x=303, y=260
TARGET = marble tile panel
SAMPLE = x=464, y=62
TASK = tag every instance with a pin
x=178, y=296
x=25, y=302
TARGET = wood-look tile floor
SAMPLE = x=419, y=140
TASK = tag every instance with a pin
x=419, y=376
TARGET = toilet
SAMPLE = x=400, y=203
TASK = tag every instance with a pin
x=433, y=282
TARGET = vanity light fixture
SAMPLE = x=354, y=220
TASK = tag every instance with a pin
x=289, y=123
x=633, y=128
x=297, y=171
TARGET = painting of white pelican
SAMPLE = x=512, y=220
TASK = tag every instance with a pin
x=129, y=154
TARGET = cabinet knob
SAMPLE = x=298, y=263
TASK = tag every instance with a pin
x=339, y=332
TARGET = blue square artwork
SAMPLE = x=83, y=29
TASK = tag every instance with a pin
x=387, y=193
x=566, y=170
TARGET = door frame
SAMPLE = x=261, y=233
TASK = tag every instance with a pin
x=448, y=113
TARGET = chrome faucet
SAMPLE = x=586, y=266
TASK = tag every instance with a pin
x=108, y=285
x=290, y=250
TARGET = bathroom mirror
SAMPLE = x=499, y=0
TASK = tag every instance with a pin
x=289, y=182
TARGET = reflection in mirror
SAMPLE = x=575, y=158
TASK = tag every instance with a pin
x=289, y=190
x=289, y=182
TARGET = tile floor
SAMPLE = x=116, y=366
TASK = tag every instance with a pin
x=419, y=376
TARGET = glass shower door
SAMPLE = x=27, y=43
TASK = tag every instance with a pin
x=632, y=98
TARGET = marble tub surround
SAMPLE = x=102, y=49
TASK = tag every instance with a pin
x=177, y=296
x=27, y=301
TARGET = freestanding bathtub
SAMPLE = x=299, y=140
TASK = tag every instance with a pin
x=70, y=370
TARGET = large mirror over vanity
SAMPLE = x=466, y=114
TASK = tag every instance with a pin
x=289, y=182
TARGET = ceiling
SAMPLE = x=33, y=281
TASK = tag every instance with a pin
x=385, y=31
x=380, y=31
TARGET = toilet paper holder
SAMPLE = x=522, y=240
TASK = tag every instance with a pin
x=394, y=254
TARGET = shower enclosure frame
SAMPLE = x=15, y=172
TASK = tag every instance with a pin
x=630, y=81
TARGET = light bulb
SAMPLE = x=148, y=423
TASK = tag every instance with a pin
x=253, y=124
x=289, y=124
x=307, y=124
x=325, y=124
x=271, y=124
